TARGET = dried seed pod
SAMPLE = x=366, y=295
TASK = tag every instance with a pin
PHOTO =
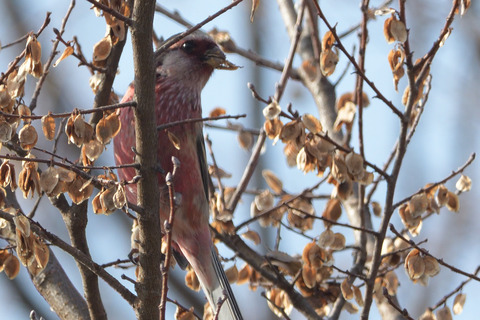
x=271, y=111
x=427, y=315
x=232, y=274
x=418, y=204
x=414, y=264
x=345, y=116
x=347, y=290
x=328, y=40
x=41, y=253
x=22, y=224
x=114, y=123
x=273, y=127
x=354, y=163
x=104, y=133
x=396, y=59
x=339, y=170
x=33, y=49
x=328, y=62
x=273, y=181
x=264, y=201
x=5, y=131
x=458, y=303
x=29, y=179
x=11, y=267
x=312, y=123
x=245, y=139
x=309, y=275
x=217, y=112
x=444, y=314
x=91, y=151
x=391, y=283
x=106, y=200
x=377, y=208
x=464, y=183
x=432, y=267
x=48, y=126
x=28, y=137
x=120, y=198
x=394, y=30
x=442, y=194
x=49, y=180
x=291, y=131
x=326, y=238
x=66, y=53
x=453, y=203
x=7, y=175
x=191, y=281
x=339, y=242
x=357, y=294
x=252, y=236
x=102, y=49
x=24, y=111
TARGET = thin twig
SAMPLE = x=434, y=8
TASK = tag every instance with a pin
x=68, y=114
x=168, y=231
x=181, y=122
x=167, y=44
x=109, y=10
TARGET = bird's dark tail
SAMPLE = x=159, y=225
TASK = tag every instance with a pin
x=223, y=293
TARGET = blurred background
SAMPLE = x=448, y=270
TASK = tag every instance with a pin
x=445, y=138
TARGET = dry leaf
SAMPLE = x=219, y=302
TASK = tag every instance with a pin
x=255, y=4
x=66, y=53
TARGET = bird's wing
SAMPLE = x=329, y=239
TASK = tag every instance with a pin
x=202, y=159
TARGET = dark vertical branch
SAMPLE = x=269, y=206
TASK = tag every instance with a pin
x=148, y=281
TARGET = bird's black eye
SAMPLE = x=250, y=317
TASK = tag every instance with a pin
x=188, y=46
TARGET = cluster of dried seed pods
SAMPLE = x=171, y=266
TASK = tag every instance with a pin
x=431, y=201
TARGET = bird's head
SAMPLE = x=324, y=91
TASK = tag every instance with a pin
x=192, y=60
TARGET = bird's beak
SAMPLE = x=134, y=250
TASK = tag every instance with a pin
x=217, y=60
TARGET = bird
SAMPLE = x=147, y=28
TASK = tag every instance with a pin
x=182, y=71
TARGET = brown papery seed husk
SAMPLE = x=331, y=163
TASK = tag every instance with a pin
x=48, y=126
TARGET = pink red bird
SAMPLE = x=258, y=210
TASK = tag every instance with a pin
x=181, y=73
